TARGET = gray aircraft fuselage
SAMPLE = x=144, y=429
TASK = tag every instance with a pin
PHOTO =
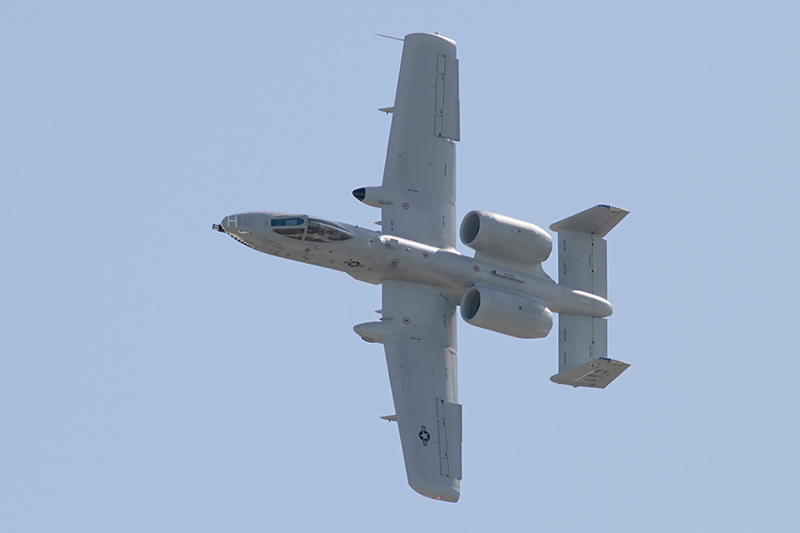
x=373, y=257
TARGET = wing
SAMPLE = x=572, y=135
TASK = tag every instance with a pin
x=420, y=172
x=421, y=356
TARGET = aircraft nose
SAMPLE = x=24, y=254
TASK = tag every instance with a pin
x=230, y=222
x=226, y=224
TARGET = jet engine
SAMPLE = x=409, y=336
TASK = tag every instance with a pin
x=503, y=311
x=498, y=236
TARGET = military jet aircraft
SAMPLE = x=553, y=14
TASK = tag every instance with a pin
x=424, y=278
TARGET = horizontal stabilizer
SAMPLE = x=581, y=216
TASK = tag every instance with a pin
x=598, y=220
x=596, y=374
x=390, y=418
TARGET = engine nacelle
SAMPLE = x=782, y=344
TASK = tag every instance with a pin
x=506, y=238
x=503, y=311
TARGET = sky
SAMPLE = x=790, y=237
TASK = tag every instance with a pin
x=158, y=376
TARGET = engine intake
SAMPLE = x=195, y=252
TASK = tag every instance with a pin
x=506, y=238
x=507, y=312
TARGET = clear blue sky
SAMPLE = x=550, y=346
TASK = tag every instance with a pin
x=158, y=376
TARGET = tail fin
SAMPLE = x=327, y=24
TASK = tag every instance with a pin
x=582, y=249
x=582, y=340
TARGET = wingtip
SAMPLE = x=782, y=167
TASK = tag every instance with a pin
x=439, y=493
x=614, y=209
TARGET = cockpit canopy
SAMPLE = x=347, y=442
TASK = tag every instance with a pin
x=308, y=229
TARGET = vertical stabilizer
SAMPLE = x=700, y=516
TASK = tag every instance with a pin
x=582, y=249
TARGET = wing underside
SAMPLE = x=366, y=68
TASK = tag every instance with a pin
x=422, y=362
x=420, y=171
